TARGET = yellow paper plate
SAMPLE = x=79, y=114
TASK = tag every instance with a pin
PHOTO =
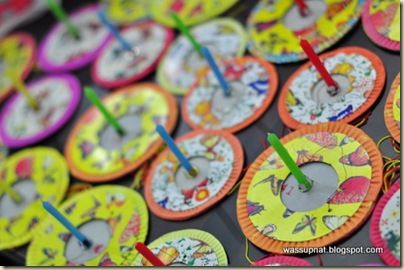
x=392, y=110
x=190, y=12
x=125, y=12
x=37, y=174
x=113, y=217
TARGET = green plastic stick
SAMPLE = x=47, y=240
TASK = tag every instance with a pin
x=108, y=116
x=185, y=31
x=287, y=159
x=62, y=17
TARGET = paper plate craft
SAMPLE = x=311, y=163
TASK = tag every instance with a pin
x=125, y=12
x=34, y=174
x=381, y=22
x=190, y=12
x=60, y=51
x=345, y=169
x=305, y=100
x=185, y=248
x=392, y=110
x=385, y=226
x=372, y=264
x=96, y=152
x=17, y=53
x=117, y=67
x=282, y=261
x=181, y=64
x=275, y=27
x=172, y=193
x=113, y=217
x=253, y=84
x=58, y=97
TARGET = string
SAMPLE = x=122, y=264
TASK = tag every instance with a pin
x=243, y=172
x=234, y=188
x=246, y=251
x=319, y=259
x=380, y=142
x=363, y=121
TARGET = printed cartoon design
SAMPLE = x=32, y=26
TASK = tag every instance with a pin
x=333, y=148
x=98, y=150
x=17, y=53
x=385, y=16
x=215, y=151
x=39, y=174
x=390, y=225
x=116, y=66
x=252, y=84
x=181, y=64
x=190, y=12
x=60, y=48
x=54, y=96
x=111, y=229
x=276, y=26
x=354, y=73
x=127, y=11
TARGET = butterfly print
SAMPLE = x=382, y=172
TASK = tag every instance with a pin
x=197, y=10
x=324, y=139
x=202, y=251
x=304, y=156
x=49, y=253
x=10, y=225
x=210, y=141
x=346, y=140
x=64, y=237
x=307, y=221
x=352, y=190
x=106, y=261
x=176, y=6
x=69, y=209
x=132, y=229
x=86, y=148
x=342, y=114
x=358, y=158
x=260, y=86
x=334, y=222
x=33, y=223
x=24, y=167
x=233, y=72
x=274, y=163
x=287, y=213
x=275, y=183
x=125, y=251
x=268, y=230
x=254, y=208
x=117, y=199
x=114, y=221
x=265, y=25
x=90, y=213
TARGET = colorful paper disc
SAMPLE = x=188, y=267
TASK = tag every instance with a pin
x=304, y=99
x=381, y=22
x=113, y=217
x=392, y=110
x=172, y=194
x=60, y=51
x=181, y=64
x=185, y=248
x=345, y=167
x=275, y=27
x=35, y=174
x=58, y=97
x=253, y=84
x=385, y=226
x=117, y=67
x=125, y=12
x=282, y=261
x=190, y=12
x=17, y=54
x=95, y=152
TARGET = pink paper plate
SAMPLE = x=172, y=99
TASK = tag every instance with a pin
x=282, y=261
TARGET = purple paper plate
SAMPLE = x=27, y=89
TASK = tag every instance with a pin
x=58, y=97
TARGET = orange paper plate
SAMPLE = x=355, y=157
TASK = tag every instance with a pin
x=346, y=168
x=392, y=110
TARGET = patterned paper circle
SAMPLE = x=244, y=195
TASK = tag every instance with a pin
x=172, y=194
x=385, y=226
x=282, y=261
x=304, y=99
x=392, y=110
x=113, y=217
x=190, y=12
x=17, y=54
x=96, y=152
x=127, y=11
x=181, y=64
x=346, y=170
x=60, y=51
x=381, y=22
x=185, y=248
x=36, y=174
x=253, y=84
x=58, y=97
x=275, y=27
x=117, y=67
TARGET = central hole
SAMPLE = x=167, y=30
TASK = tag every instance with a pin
x=110, y=139
x=196, y=62
x=99, y=232
x=222, y=103
x=319, y=92
x=325, y=184
x=27, y=191
x=297, y=22
x=185, y=181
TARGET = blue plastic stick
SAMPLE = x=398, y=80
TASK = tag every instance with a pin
x=174, y=148
x=214, y=67
x=114, y=31
x=56, y=214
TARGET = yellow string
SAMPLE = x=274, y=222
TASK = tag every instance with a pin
x=234, y=188
x=390, y=173
x=380, y=142
x=246, y=251
x=360, y=123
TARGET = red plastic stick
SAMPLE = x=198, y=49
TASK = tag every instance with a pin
x=146, y=252
x=315, y=60
x=302, y=6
